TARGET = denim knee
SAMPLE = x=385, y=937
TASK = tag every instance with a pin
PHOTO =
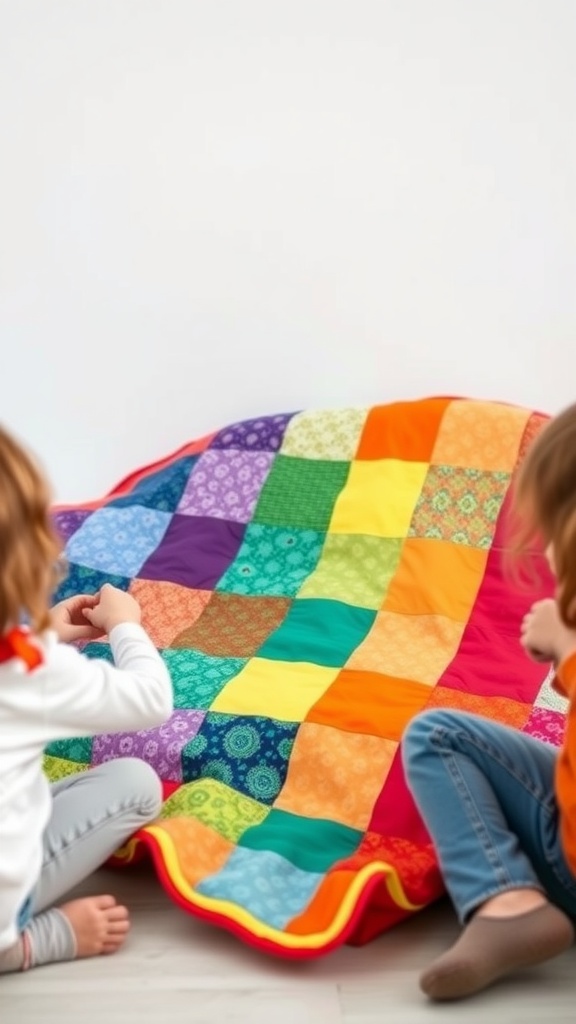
x=417, y=737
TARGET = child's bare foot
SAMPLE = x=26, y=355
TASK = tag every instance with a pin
x=100, y=925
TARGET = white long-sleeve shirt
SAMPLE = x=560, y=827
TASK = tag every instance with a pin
x=67, y=695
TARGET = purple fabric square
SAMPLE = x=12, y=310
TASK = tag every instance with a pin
x=68, y=521
x=160, y=747
x=226, y=484
x=263, y=434
x=195, y=551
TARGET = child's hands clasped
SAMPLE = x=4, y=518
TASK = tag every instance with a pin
x=92, y=616
x=544, y=636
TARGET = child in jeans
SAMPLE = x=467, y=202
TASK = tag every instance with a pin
x=500, y=805
x=52, y=837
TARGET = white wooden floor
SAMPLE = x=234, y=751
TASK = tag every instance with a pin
x=177, y=970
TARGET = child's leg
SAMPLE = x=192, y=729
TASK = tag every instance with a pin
x=486, y=793
x=93, y=814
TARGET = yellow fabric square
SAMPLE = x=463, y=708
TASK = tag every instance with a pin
x=285, y=690
x=335, y=774
x=417, y=647
x=379, y=498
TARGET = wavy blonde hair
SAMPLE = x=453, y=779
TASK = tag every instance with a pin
x=544, y=504
x=29, y=546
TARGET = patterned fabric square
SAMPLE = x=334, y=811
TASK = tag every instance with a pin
x=549, y=697
x=198, y=678
x=320, y=632
x=168, y=608
x=379, y=705
x=335, y=774
x=226, y=484
x=264, y=434
x=480, y=435
x=233, y=625
x=333, y=434
x=249, y=753
x=402, y=430
x=60, y=768
x=300, y=493
x=379, y=498
x=546, y=725
x=161, y=747
x=118, y=540
x=272, y=561
x=311, y=844
x=436, y=577
x=459, y=505
x=82, y=580
x=286, y=689
x=268, y=886
x=417, y=647
x=218, y=806
x=195, y=552
x=161, y=490
x=510, y=712
x=355, y=569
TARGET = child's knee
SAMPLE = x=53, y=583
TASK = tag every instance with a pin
x=417, y=736
x=136, y=782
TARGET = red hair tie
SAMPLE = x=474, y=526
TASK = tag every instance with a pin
x=16, y=644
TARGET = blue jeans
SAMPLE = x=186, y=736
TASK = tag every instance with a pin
x=486, y=794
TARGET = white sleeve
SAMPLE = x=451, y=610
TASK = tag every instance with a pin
x=80, y=696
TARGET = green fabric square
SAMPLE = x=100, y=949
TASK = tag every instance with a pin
x=216, y=805
x=320, y=632
x=311, y=844
x=354, y=568
x=301, y=492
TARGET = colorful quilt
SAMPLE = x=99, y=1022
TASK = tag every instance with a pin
x=312, y=580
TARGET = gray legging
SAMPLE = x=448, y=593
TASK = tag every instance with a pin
x=93, y=814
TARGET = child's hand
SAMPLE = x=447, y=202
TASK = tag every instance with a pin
x=112, y=608
x=69, y=619
x=544, y=636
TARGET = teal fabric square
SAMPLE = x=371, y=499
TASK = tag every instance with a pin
x=320, y=632
x=272, y=561
x=198, y=678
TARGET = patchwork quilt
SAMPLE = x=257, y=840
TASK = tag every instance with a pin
x=312, y=581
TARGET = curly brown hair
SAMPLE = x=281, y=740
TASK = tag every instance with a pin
x=29, y=546
x=544, y=503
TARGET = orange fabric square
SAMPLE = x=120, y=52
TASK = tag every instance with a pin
x=335, y=775
x=319, y=915
x=502, y=709
x=436, y=577
x=417, y=647
x=371, y=703
x=167, y=608
x=197, y=850
x=480, y=435
x=402, y=430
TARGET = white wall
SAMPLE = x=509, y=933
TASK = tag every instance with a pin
x=211, y=209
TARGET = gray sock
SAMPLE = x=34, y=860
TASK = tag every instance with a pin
x=12, y=959
x=51, y=938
